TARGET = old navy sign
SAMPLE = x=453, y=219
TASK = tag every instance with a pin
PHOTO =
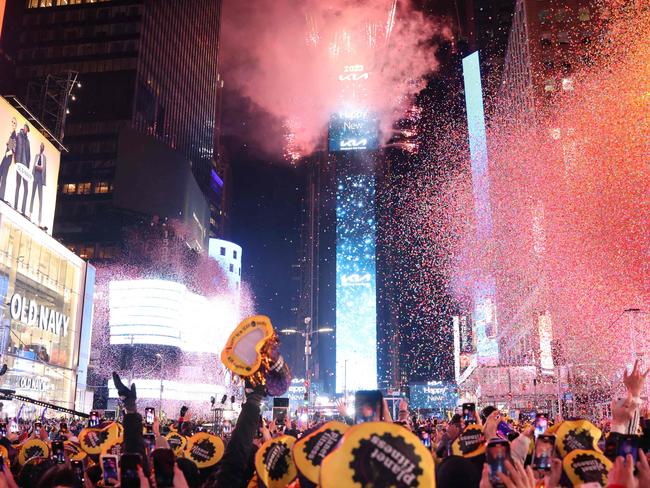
x=30, y=313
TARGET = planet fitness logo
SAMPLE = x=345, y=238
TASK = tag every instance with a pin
x=202, y=451
x=385, y=461
x=275, y=460
x=589, y=469
x=320, y=445
x=578, y=439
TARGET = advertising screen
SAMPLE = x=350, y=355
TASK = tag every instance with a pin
x=353, y=131
x=436, y=395
x=356, y=304
x=29, y=169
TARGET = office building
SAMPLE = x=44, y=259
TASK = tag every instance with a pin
x=140, y=67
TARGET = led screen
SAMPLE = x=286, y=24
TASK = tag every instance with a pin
x=29, y=168
x=353, y=131
x=436, y=395
x=485, y=316
x=356, y=308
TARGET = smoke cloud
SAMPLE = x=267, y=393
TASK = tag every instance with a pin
x=289, y=57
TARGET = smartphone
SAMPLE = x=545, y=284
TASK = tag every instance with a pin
x=3, y=429
x=63, y=428
x=110, y=469
x=469, y=413
x=93, y=420
x=78, y=470
x=37, y=428
x=544, y=452
x=280, y=409
x=129, y=477
x=425, y=438
x=368, y=406
x=58, y=452
x=149, y=416
x=149, y=442
x=14, y=427
x=541, y=423
x=628, y=444
x=163, y=467
x=507, y=432
x=259, y=427
x=496, y=454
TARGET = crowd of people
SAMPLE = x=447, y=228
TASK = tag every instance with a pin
x=473, y=448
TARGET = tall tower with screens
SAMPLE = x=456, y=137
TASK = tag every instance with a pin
x=353, y=141
x=484, y=289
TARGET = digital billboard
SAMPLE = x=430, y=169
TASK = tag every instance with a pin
x=485, y=316
x=435, y=395
x=353, y=131
x=29, y=169
x=160, y=312
x=356, y=307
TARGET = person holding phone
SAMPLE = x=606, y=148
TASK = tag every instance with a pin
x=454, y=429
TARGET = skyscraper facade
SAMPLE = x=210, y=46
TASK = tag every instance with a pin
x=142, y=66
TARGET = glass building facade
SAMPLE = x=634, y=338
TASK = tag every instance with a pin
x=44, y=289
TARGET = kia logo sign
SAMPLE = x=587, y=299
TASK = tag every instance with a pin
x=356, y=280
x=354, y=143
x=353, y=76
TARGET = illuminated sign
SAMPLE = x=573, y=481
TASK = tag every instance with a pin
x=353, y=77
x=356, y=307
x=545, y=330
x=484, y=291
x=353, y=130
x=435, y=395
x=29, y=168
x=30, y=313
x=160, y=312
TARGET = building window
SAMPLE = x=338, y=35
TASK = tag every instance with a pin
x=222, y=251
x=102, y=187
x=69, y=188
x=549, y=85
x=107, y=252
x=84, y=188
x=583, y=14
x=567, y=84
x=231, y=268
x=234, y=254
x=86, y=251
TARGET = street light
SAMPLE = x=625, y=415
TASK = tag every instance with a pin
x=307, y=333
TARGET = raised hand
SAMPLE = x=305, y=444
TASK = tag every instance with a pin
x=128, y=396
x=635, y=380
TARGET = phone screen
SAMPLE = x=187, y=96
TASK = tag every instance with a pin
x=78, y=470
x=63, y=428
x=541, y=424
x=149, y=442
x=149, y=416
x=628, y=444
x=163, y=466
x=544, y=449
x=469, y=410
x=496, y=454
x=14, y=427
x=93, y=420
x=3, y=429
x=58, y=452
x=129, y=477
x=426, y=439
x=368, y=405
x=110, y=472
x=37, y=428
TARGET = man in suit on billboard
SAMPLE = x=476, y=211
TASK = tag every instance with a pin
x=23, y=156
x=40, y=172
x=8, y=158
